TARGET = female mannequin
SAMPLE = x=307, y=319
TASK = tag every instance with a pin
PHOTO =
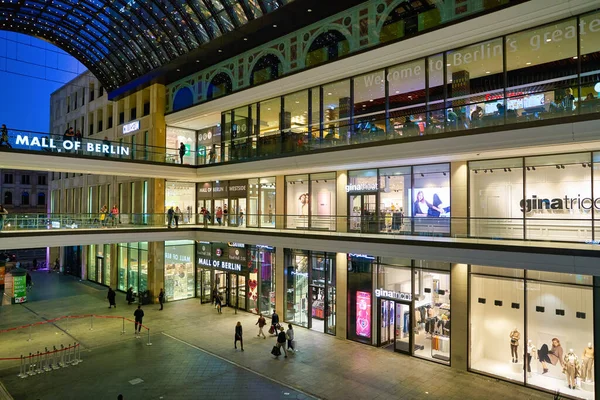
x=514, y=345
x=571, y=368
x=587, y=371
x=530, y=351
x=552, y=356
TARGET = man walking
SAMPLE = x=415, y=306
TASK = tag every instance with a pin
x=139, y=316
x=274, y=323
x=111, y=298
x=170, y=215
x=261, y=324
x=161, y=298
x=281, y=339
x=182, y=151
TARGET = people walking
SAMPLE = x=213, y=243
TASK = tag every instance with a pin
x=274, y=323
x=261, y=324
x=4, y=137
x=114, y=213
x=3, y=214
x=57, y=264
x=289, y=335
x=170, y=215
x=178, y=214
x=129, y=295
x=219, y=302
x=102, y=217
x=139, y=316
x=28, y=283
x=238, y=336
x=182, y=151
x=219, y=215
x=161, y=298
x=111, y=298
x=281, y=341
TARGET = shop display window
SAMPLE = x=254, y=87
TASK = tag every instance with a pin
x=547, y=327
x=361, y=319
x=362, y=201
x=133, y=266
x=430, y=209
x=122, y=276
x=181, y=195
x=589, y=52
x=297, y=201
x=323, y=201
x=107, y=264
x=267, y=202
x=176, y=136
x=369, y=107
x=315, y=114
x=179, y=269
x=209, y=145
x=431, y=336
x=336, y=113
x=297, y=287
x=91, y=263
x=395, y=199
x=496, y=190
x=407, y=99
x=264, y=261
x=295, y=122
x=269, y=137
x=558, y=197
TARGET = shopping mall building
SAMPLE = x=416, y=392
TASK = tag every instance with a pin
x=418, y=176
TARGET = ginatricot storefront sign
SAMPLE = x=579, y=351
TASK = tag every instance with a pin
x=71, y=145
x=362, y=187
x=131, y=127
x=393, y=294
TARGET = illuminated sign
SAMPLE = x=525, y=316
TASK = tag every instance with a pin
x=361, y=256
x=220, y=264
x=363, y=314
x=44, y=143
x=131, y=127
x=234, y=244
x=393, y=294
x=362, y=187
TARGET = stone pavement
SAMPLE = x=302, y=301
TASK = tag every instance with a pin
x=324, y=366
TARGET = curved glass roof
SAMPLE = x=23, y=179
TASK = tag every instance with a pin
x=121, y=40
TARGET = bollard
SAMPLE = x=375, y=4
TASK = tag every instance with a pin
x=91, y=322
x=61, y=363
x=149, y=343
x=68, y=355
x=38, y=365
x=79, y=350
x=48, y=366
x=22, y=371
x=75, y=358
x=31, y=371
x=123, y=331
x=54, y=359
x=29, y=340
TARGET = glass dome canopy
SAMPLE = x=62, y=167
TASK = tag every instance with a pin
x=121, y=40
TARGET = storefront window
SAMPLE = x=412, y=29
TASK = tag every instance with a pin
x=315, y=113
x=133, y=266
x=589, y=99
x=558, y=197
x=296, y=310
x=295, y=122
x=261, y=281
x=297, y=201
x=361, y=319
x=540, y=49
x=176, y=136
x=395, y=199
x=181, y=195
x=269, y=137
x=204, y=281
x=555, y=344
x=122, y=278
x=267, y=202
x=107, y=264
x=431, y=199
x=496, y=191
x=362, y=191
x=323, y=201
x=209, y=145
x=91, y=263
x=179, y=269
x=407, y=99
x=596, y=183
x=336, y=113
x=369, y=107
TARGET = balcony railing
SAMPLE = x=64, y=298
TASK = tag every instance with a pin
x=583, y=231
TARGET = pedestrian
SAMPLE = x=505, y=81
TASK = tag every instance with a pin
x=261, y=324
x=281, y=341
x=139, y=316
x=182, y=151
x=129, y=295
x=219, y=301
x=219, y=215
x=170, y=215
x=238, y=336
x=161, y=298
x=4, y=137
x=103, y=212
x=78, y=136
x=3, y=214
x=178, y=214
x=57, y=264
x=114, y=212
x=241, y=221
x=111, y=298
x=120, y=397
x=28, y=283
x=225, y=215
x=274, y=323
x=289, y=335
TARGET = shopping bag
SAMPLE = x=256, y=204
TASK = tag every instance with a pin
x=271, y=330
x=276, y=352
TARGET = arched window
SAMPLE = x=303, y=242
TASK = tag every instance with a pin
x=266, y=69
x=25, y=199
x=183, y=98
x=8, y=198
x=327, y=46
x=41, y=199
x=220, y=85
x=404, y=20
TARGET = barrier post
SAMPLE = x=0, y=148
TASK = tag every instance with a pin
x=29, y=340
x=38, y=365
x=79, y=359
x=68, y=355
x=22, y=371
x=61, y=363
x=48, y=366
x=75, y=358
x=54, y=359
x=149, y=343
x=31, y=371
x=123, y=331
x=91, y=322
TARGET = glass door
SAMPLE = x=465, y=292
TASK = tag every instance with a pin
x=363, y=213
x=100, y=269
x=241, y=292
x=233, y=292
x=207, y=205
x=205, y=286
x=222, y=286
x=386, y=323
x=402, y=331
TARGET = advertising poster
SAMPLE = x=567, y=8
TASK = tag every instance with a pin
x=363, y=314
x=2, y=272
x=431, y=202
x=20, y=289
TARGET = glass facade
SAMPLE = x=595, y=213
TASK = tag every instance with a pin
x=179, y=269
x=181, y=195
x=311, y=289
x=133, y=266
x=311, y=201
x=542, y=330
x=261, y=202
x=177, y=136
x=98, y=263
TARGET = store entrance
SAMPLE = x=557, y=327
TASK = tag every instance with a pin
x=394, y=322
x=100, y=269
x=363, y=211
x=233, y=289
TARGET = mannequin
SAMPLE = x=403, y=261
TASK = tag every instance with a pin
x=514, y=345
x=530, y=351
x=587, y=370
x=571, y=368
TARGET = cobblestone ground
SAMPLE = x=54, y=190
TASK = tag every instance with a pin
x=192, y=356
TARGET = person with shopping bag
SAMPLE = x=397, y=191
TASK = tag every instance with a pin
x=280, y=344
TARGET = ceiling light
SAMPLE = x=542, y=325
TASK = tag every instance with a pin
x=448, y=65
x=397, y=91
x=220, y=51
x=245, y=39
x=329, y=94
x=371, y=100
x=487, y=72
x=274, y=25
x=548, y=40
x=197, y=61
x=309, y=10
x=528, y=63
x=297, y=102
x=178, y=70
x=575, y=58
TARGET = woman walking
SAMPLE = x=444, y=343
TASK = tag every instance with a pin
x=289, y=335
x=238, y=336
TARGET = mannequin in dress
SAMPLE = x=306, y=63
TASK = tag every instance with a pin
x=587, y=369
x=514, y=345
x=571, y=368
x=530, y=351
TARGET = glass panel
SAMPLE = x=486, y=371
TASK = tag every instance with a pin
x=402, y=328
x=369, y=107
x=384, y=322
x=536, y=88
x=315, y=113
x=336, y=113
x=253, y=196
x=331, y=297
x=175, y=137
x=407, y=99
x=502, y=301
x=241, y=299
x=297, y=199
x=361, y=315
x=590, y=70
x=269, y=137
x=107, y=264
x=143, y=266
x=323, y=201
x=297, y=288
x=179, y=269
x=431, y=199
x=266, y=260
x=295, y=122
x=267, y=202
x=182, y=197
x=596, y=183
x=496, y=190
x=395, y=199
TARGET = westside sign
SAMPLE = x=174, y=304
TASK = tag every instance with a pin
x=45, y=143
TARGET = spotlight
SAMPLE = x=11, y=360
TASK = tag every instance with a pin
x=562, y=166
x=491, y=171
x=422, y=176
x=558, y=167
x=475, y=171
x=528, y=169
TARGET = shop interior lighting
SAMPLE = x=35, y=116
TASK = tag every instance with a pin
x=476, y=171
x=443, y=173
x=498, y=303
x=579, y=314
x=560, y=312
x=422, y=176
x=540, y=309
x=481, y=300
x=516, y=306
x=427, y=290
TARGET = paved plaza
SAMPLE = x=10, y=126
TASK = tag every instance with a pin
x=192, y=356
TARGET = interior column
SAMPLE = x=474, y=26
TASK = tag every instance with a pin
x=156, y=268
x=279, y=202
x=458, y=198
x=280, y=283
x=459, y=309
x=342, y=201
x=341, y=295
